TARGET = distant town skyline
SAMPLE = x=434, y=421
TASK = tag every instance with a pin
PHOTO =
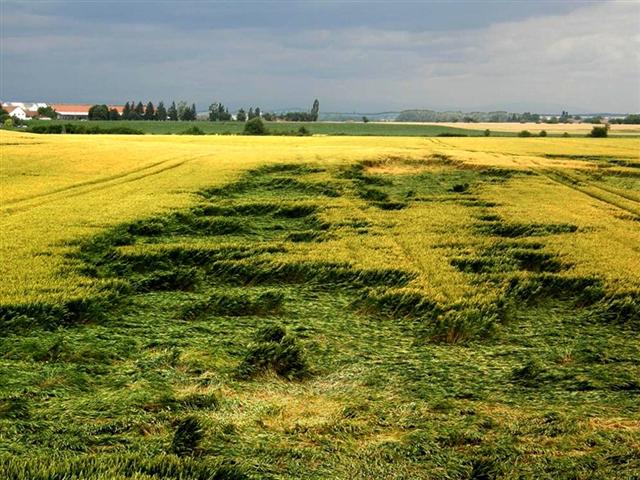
x=354, y=56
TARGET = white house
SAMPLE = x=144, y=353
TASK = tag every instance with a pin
x=17, y=112
x=65, y=111
x=26, y=106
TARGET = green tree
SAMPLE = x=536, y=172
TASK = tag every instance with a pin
x=149, y=112
x=126, y=111
x=213, y=112
x=172, y=113
x=241, y=116
x=250, y=115
x=113, y=114
x=47, y=111
x=599, y=132
x=184, y=111
x=161, y=112
x=99, y=112
x=255, y=126
x=4, y=115
x=218, y=113
x=315, y=110
x=138, y=111
x=257, y=112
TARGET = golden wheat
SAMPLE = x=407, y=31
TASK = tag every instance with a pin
x=59, y=189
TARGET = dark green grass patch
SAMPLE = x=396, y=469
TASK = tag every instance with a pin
x=621, y=309
x=177, y=279
x=187, y=436
x=390, y=205
x=514, y=230
x=373, y=194
x=14, y=408
x=461, y=325
x=394, y=192
x=269, y=183
x=509, y=259
x=237, y=304
x=120, y=467
x=614, y=160
x=579, y=289
x=277, y=351
x=200, y=401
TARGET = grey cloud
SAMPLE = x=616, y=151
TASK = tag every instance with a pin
x=588, y=57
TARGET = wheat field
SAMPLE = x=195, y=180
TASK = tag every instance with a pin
x=535, y=128
x=319, y=307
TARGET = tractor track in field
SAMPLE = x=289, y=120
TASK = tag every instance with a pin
x=605, y=195
x=576, y=178
x=611, y=196
x=87, y=183
x=83, y=188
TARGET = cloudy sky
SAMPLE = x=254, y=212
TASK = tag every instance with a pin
x=365, y=56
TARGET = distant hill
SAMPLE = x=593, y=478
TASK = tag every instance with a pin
x=452, y=116
x=357, y=116
x=495, y=116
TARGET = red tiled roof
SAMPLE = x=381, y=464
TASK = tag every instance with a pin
x=71, y=108
x=79, y=108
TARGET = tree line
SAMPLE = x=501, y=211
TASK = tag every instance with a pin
x=184, y=112
x=139, y=111
x=503, y=117
x=219, y=113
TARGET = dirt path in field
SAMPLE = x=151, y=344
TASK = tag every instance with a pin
x=26, y=203
x=611, y=196
x=628, y=202
x=605, y=195
x=86, y=183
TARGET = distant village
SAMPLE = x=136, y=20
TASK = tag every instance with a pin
x=25, y=111
x=64, y=111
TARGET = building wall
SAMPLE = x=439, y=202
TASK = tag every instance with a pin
x=72, y=116
x=18, y=113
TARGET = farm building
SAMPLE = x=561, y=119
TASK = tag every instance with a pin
x=77, y=111
x=17, y=112
x=26, y=106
